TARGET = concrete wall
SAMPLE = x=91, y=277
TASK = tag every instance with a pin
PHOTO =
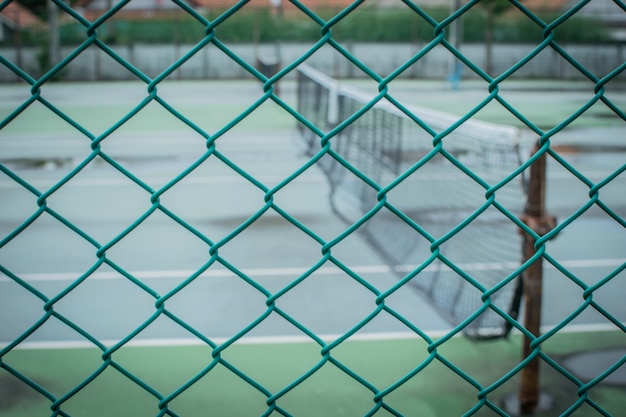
x=212, y=63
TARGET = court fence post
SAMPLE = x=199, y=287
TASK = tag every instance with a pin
x=537, y=220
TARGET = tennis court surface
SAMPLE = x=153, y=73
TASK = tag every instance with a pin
x=276, y=364
x=156, y=364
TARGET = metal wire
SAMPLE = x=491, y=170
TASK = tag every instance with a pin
x=322, y=139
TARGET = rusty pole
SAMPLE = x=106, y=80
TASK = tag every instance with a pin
x=536, y=219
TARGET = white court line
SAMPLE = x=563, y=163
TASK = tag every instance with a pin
x=285, y=339
x=192, y=180
x=280, y=272
x=236, y=179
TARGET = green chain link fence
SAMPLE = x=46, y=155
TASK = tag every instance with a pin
x=325, y=140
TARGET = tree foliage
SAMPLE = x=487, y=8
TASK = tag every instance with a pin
x=363, y=25
x=38, y=7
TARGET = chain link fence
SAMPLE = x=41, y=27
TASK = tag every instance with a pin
x=376, y=162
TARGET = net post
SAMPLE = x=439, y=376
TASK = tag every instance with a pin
x=536, y=219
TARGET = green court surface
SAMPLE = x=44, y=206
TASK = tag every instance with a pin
x=212, y=104
x=250, y=379
x=275, y=366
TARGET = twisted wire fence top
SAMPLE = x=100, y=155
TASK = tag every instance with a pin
x=377, y=165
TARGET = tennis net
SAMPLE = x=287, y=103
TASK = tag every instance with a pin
x=392, y=154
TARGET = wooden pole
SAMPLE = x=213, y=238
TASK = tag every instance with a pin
x=536, y=219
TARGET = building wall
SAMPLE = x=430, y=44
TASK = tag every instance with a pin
x=211, y=63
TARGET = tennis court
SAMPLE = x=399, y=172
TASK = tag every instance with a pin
x=271, y=363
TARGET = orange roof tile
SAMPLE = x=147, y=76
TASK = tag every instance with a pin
x=546, y=5
x=16, y=16
x=269, y=3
